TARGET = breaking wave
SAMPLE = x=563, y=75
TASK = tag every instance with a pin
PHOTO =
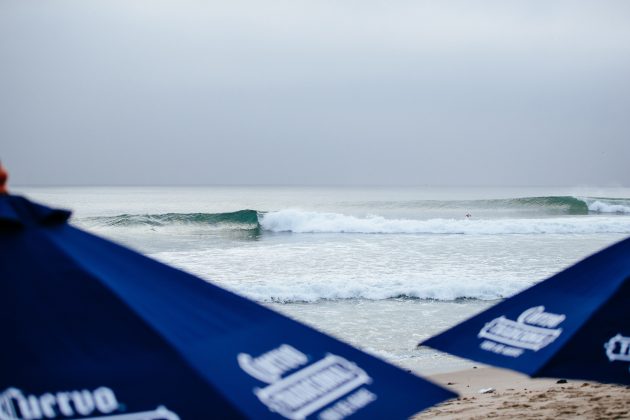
x=242, y=219
x=313, y=222
x=567, y=209
x=356, y=291
x=288, y=276
x=552, y=205
x=570, y=205
x=608, y=205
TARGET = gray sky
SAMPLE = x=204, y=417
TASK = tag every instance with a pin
x=506, y=92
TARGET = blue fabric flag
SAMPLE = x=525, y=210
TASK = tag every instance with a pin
x=575, y=324
x=94, y=330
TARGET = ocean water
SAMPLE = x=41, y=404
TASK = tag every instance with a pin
x=380, y=268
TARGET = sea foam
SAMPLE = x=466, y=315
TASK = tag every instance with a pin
x=298, y=221
x=306, y=282
x=600, y=206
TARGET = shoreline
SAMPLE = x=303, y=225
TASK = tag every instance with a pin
x=507, y=394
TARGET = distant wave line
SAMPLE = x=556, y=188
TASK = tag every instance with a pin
x=242, y=219
x=300, y=221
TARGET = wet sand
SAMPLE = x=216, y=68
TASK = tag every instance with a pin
x=497, y=393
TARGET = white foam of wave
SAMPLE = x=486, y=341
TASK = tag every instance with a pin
x=381, y=268
x=599, y=206
x=305, y=287
x=298, y=221
x=377, y=290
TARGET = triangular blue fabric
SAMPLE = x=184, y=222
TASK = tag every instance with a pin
x=575, y=324
x=18, y=211
x=94, y=329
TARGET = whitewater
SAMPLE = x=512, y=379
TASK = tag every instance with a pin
x=381, y=268
x=297, y=221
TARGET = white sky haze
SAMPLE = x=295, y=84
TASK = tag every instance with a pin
x=315, y=92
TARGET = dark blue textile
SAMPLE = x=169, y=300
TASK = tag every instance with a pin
x=91, y=328
x=575, y=324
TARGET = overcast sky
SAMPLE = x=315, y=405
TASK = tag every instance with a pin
x=315, y=92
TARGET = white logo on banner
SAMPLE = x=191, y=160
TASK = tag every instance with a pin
x=311, y=388
x=14, y=405
x=532, y=330
x=618, y=348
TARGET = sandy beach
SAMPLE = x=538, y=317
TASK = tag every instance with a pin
x=496, y=393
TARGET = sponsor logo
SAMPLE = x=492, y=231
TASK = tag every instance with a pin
x=533, y=330
x=270, y=366
x=15, y=405
x=618, y=348
x=310, y=388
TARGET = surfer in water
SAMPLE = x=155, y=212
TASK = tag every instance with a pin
x=468, y=215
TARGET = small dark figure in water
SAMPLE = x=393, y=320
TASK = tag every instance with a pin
x=468, y=215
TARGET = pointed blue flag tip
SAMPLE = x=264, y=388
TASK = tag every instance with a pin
x=18, y=211
x=92, y=329
x=575, y=324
